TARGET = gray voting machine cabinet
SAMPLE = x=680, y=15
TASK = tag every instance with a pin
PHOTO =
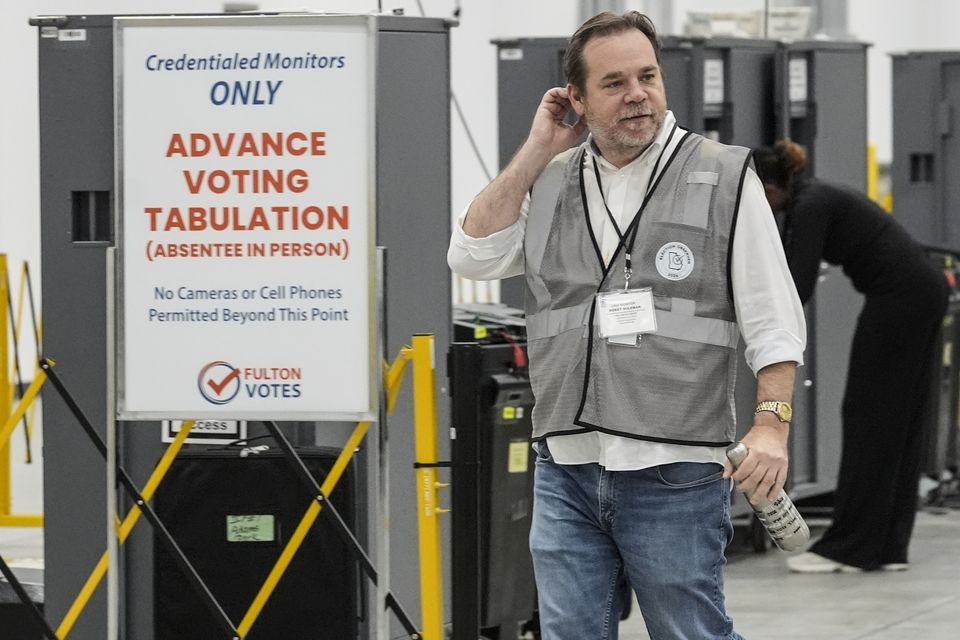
x=76, y=85
x=926, y=156
x=821, y=104
x=926, y=200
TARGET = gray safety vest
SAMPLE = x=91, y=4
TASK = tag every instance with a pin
x=677, y=385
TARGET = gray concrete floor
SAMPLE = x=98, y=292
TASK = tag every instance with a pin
x=923, y=603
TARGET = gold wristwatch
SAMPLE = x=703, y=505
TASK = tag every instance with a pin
x=782, y=410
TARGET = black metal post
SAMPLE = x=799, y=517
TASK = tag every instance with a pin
x=465, y=362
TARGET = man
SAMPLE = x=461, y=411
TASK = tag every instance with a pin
x=644, y=250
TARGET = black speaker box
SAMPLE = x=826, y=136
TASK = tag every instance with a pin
x=17, y=623
x=232, y=515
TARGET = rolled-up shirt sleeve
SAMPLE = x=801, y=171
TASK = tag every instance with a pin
x=768, y=309
x=499, y=255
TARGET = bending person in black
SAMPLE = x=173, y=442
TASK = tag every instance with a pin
x=890, y=359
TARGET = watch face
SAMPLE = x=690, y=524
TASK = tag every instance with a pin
x=784, y=412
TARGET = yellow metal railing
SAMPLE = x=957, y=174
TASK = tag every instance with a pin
x=425, y=423
x=26, y=290
x=428, y=509
x=10, y=326
x=6, y=389
x=123, y=532
x=422, y=356
x=293, y=545
x=885, y=200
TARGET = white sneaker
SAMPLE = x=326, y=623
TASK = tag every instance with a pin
x=894, y=566
x=809, y=562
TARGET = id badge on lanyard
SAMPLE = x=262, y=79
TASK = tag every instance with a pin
x=625, y=314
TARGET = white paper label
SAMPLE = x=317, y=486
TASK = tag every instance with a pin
x=713, y=81
x=626, y=312
x=798, y=79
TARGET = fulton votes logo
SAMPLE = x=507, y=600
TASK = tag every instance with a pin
x=674, y=261
x=220, y=382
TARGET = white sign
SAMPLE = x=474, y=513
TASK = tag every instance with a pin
x=206, y=431
x=713, y=84
x=72, y=35
x=245, y=195
x=797, y=82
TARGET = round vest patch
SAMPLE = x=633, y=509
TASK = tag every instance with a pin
x=675, y=261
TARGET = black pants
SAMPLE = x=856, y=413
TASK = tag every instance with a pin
x=887, y=391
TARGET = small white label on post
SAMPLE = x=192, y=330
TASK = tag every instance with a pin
x=207, y=431
x=72, y=35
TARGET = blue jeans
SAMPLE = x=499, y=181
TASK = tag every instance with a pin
x=665, y=527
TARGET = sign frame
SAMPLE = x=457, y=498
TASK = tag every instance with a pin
x=371, y=376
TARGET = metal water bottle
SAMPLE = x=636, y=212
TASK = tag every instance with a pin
x=780, y=518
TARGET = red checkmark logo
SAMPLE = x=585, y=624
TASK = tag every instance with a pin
x=218, y=387
x=219, y=382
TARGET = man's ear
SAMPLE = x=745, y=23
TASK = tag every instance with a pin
x=576, y=99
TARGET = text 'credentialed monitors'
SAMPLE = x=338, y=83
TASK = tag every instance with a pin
x=245, y=197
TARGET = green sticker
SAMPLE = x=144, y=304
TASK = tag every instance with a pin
x=250, y=529
x=509, y=413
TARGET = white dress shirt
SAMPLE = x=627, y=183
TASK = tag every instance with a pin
x=771, y=323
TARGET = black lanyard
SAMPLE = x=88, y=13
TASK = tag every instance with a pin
x=632, y=227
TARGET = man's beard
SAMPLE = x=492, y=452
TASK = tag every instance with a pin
x=622, y=140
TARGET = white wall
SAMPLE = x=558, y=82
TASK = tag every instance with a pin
x=474, y=75
x=888, y=24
